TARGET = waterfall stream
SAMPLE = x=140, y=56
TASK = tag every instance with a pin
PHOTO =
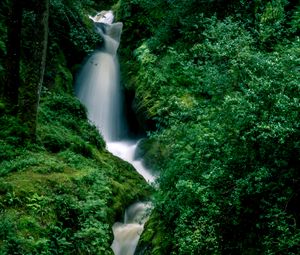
x=98, y=88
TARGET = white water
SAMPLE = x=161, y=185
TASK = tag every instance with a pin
x=125, y=149
x=98, y=88
x=127, y=234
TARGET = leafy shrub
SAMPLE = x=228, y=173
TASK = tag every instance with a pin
x=7, y=151
x=20, y=163
x=13, y=132
x=62, y=105
x=65, y=125
x=54, y=138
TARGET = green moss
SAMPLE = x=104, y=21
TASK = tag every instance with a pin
x=153, y=236
x=153, y=152
x=127, y=187
x=61, y=195
x=63, y=79
x=29, y=226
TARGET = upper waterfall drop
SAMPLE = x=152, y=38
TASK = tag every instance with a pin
x=98, y=85
x=109, y=31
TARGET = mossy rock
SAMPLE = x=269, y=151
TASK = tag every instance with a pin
x=152, y=239
x=152, y=152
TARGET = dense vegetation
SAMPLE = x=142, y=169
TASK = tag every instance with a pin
x=217, y=83
x=60, y=190
x=62, y=194
x=216, y=86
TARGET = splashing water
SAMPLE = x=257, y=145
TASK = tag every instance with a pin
x=126, y=151
x=127, y=234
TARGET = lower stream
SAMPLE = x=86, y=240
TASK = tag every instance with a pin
x=127, y=234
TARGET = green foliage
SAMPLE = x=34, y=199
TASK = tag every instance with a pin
x=65, y=120
x=69, y=20
x=59, y=196
x=223, y=91
x=57, y=73
x=153, y=236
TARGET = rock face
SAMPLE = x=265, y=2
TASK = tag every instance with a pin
x=106, y=17
x=104, y=25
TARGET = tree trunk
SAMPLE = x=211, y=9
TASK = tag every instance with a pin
x=11, y=83
x=34, y=65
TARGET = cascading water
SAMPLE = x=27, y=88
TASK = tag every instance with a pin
x=98, y=88
x=127, y=234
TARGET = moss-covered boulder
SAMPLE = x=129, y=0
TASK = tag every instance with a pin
x=62, y=194
x=151, y=240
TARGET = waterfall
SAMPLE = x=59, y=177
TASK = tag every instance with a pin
x=127, y=234
x=98, y=88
